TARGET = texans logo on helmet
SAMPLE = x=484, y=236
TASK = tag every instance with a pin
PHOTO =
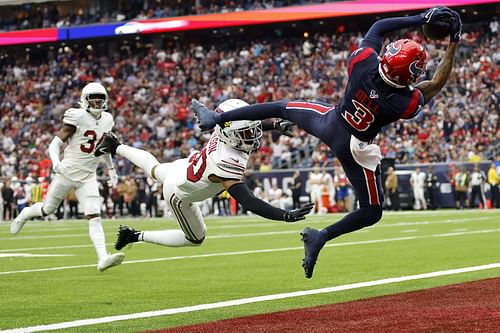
x=393, y=50
x=415, y=70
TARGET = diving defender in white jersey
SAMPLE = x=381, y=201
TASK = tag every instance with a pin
x=204, y=174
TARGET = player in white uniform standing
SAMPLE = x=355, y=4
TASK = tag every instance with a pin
x=83, y=129
x=218, y=166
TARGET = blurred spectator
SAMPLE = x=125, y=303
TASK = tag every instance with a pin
x=461, y=186
x=417, y=181
x=296, y=189
x=8, y=201
x=431, y=188
x=315, y=188
x=391, y=185
x=494, y=181
x=477, y=187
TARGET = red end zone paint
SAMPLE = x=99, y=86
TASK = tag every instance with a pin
x=465, y=307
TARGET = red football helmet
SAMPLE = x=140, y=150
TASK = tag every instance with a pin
x=402, y=63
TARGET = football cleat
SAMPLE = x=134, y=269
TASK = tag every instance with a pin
x=17, y=225
x=313, y=243
x=108, y=145
x=205, y=118
x=111, y=260
x=126, y=235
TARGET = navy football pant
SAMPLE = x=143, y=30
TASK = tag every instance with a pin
x=323, y=122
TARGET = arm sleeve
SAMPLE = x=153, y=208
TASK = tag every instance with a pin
x=108, y=160
x=242, y=194
x=375, y=36
x=253, y=112
x=268, y=125
x=55, y=150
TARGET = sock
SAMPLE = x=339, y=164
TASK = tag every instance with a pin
x=172, y=238
x=96, y=234
x=140, y=158
x=30, y=212
x=363, y=217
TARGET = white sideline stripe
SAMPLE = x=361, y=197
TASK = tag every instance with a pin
x=249, y=300
x=220, y=254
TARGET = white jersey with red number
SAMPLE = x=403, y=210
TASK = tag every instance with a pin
x=79, y=162
x=216, y=158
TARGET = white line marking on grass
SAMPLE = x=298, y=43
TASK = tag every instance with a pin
x=409, y=231
x=29, y=255
x=220, y=254
x=249, y=300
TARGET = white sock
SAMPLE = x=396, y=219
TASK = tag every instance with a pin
x=96, y=234
x=32, y=211
x=141, y=158
x=172, y=238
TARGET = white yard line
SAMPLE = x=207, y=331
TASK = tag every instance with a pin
x=261, y=225
x=220, y=254
x=249, y=300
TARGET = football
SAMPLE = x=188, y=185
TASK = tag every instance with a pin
x=433, y=32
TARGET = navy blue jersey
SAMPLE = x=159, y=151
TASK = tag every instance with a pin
x=369, y=103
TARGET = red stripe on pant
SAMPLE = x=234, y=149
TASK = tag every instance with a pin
x=372, y=187
x=308, y=105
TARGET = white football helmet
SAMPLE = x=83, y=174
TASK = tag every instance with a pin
x=241, y=134
x=94, y=98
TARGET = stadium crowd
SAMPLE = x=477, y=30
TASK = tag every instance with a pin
x=61, y=14
x=150, y=90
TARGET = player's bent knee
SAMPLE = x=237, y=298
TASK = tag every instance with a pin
x=195, y=242
x=375, y=214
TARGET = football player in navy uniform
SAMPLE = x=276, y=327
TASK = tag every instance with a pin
x=379, y=91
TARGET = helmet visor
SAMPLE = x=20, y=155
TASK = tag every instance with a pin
x=97, y=101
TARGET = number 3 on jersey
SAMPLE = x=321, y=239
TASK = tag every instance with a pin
x=197, y=165
x=362, y=117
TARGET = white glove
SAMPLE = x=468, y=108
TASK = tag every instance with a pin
x=113, y=178
x=57, y=167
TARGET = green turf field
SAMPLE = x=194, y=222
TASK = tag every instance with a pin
x=242, y=257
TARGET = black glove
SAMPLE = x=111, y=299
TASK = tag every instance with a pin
x=297, y=214
x=437, y=16
x=455, y=27
x=285, y=127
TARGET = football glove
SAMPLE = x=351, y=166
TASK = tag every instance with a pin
x=455, y=27
x=285, y=127
x=297, y=214
x=437, y=16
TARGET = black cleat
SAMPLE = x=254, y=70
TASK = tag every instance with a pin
x=205, y=118
x=313, y=243
x=108, y=145
x=126, y=235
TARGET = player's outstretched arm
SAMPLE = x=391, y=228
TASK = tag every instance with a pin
x=245, y=197
x=375, y=36
x=432, y=87
x=208, y=119
x=285, y=127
